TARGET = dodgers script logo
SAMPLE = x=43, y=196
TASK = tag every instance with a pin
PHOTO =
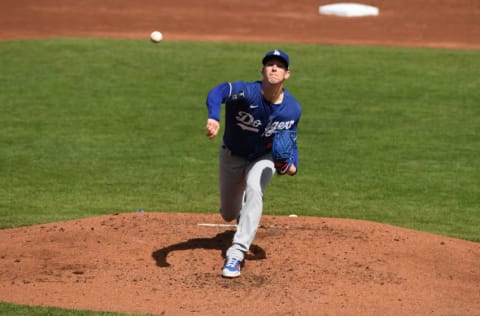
x=273, y=126
x=247, y=122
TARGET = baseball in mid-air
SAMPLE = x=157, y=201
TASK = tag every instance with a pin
x=156, y=36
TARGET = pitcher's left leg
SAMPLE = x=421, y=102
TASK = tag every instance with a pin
x=258, y=176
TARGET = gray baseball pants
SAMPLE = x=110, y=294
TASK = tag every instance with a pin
x=242, y=185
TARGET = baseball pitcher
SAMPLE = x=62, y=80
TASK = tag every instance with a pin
x=259, y=139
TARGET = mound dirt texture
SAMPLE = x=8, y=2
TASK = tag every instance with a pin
x=168, y=264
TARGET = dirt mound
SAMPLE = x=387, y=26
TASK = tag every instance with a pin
x=167, y=263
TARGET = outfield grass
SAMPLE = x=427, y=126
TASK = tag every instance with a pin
x=93, y=127
x=7, y=309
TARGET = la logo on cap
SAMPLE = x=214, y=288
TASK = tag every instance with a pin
x=276, y=53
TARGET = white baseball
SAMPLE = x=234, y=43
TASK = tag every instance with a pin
x=156, y=36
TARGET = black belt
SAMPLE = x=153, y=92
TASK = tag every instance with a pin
x=250, y=158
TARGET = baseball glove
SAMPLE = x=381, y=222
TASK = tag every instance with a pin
x=284, y=142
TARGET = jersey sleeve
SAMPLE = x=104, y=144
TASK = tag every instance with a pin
x=216, y=97
x=295, y=157
x=220, y=94
x=295, y=148
x=295, y=114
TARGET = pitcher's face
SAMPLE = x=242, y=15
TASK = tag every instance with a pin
x=275, y=71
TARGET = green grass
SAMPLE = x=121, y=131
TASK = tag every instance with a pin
x=7, y=309
x=91, y=127
x=94, y=127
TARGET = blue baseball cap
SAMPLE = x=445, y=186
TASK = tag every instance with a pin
x=278, y=54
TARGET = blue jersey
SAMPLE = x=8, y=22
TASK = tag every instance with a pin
x=251, y=121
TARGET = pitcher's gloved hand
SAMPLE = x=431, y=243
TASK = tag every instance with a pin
x=283, y=144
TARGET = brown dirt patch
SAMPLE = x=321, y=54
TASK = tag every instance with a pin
x=167, y=264
x=433, y=23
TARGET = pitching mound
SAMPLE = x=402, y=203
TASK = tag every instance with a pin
x=167, y=264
